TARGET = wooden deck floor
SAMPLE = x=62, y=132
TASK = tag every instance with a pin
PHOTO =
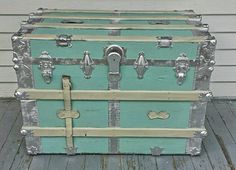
x=219, y=147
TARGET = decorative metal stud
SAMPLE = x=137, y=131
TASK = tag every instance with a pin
x=141, y=65
x=46, y=66
x=181, y=68
x=87, y=65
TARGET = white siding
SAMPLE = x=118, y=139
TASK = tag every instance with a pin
x=220, y=15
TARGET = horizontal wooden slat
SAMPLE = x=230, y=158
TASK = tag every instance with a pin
x=125, y=95
x=216, y=23
x=225, y=41
x=218, y=89
x=117, y=132
x=200, y=6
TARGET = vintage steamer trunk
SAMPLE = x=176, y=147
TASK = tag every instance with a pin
x=113, y=81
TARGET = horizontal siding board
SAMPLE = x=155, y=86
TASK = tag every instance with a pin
x=224, y=74
x=7, y=89
x=216, y=23
x=5, y=58
x=225, y=41
x=223, y=89
x=200, y=6
x=11, y=23
x=220, y=23
x=7, y=74
x=225, y=57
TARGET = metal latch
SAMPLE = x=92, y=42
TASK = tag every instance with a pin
x=141, y=65
x=181, y=68
x=114, y=55
x=46, y=66
x=164, y=42
x=87, y=65
x=64, y=40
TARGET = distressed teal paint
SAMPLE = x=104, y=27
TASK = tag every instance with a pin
x=158, y=78
x=144, y=145
x=96, y=49
x=133, y=114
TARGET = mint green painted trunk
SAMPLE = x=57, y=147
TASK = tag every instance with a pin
x=132, y=114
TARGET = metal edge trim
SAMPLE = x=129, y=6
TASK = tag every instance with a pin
x=201, y=82
x=21, y=52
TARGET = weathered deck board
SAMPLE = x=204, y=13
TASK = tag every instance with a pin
x=183, y=162
x=214, y=151
x=8, y=119
x=227, y=116
x=40, y=162
x=147, y=162
x=78, y=160
x=218, y=153
x=222, y=134
x=11, y=146
x=165, y=163
x=201, y=162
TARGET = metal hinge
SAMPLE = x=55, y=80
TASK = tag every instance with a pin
x=141, y=65
x=181, y=68
x=46, y=66
x=165, y=42
x=87, y=65
x=64, y=40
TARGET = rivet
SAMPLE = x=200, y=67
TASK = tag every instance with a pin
x=23, y=132
x=16, y=67
x=212, y=62
x=15, y=59
x=17, y=94
x=203, y=133
x=211, y=68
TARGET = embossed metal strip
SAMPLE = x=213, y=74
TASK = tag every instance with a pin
x=124, y=95
x=130, y=62
x=117, y=132
x=30, y=118
x=21, y=52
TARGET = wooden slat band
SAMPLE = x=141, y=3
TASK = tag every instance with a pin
x=117, y=132
x=117, y=11
x=191, y=39
x=112, y=26
x=114, y=17
x=114, y=95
